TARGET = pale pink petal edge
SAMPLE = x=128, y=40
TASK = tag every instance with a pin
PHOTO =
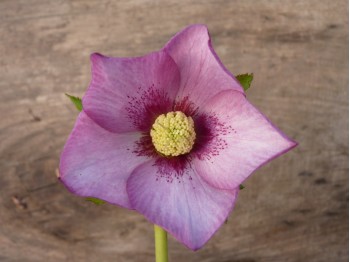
x=210, y=46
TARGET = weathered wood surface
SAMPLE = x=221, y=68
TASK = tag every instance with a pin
x=294, y=209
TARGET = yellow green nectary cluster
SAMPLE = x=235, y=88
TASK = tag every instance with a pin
x=173, y=134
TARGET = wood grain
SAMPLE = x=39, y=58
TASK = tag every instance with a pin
x=293, y=209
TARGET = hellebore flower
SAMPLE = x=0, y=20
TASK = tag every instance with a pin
x=170, y=135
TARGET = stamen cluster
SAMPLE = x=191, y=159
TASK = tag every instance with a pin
x=173, y=134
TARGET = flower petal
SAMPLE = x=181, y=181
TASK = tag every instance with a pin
x=97, y=163
x=250, y=140
x=124, y=93
x=186, y=206
x=202, y=72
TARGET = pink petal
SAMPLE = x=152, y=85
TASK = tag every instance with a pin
x=97, y=163
x=250, y=141
x=187, y=207
x=202, y=73
x=124, y=91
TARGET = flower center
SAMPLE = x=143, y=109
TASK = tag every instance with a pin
x=173, y=134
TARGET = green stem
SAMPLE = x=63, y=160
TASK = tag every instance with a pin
x=161, y=243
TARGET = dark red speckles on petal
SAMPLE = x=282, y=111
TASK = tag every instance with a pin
x=145, y=147
x=119, y=81
x=146, y=105
x=209, y=132
x=169, y=168
x=173, y=168
x=186, y=107
x=239, y=151
x=187, y=207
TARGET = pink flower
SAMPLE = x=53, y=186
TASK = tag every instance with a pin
x=170, y=135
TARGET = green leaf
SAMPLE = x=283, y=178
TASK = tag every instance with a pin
x=245, y=80
x=95, y=200
x=76, y=101
x=241, y=187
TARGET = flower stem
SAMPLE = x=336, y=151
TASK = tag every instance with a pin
x=161, y=244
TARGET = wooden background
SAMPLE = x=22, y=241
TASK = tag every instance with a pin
x=293, y=209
